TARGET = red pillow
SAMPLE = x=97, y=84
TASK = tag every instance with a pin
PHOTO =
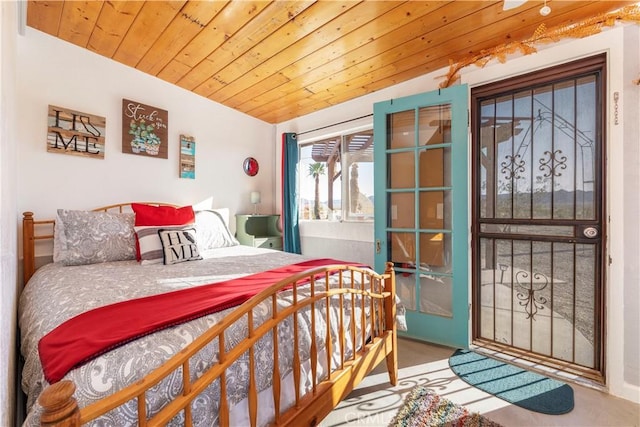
x=161, y=215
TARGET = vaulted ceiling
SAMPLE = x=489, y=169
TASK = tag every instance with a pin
x=277, y=60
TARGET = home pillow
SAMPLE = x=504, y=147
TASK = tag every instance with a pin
x=151, y=250
x=179, y=245
x=162, y=215
x=213, y=231
x=88, y=237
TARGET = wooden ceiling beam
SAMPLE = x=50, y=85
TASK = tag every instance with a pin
x=329, y=84
x=147, y=26
x=257, y=23
x=276, y=59
x=324, y=64
x=112, y=25
x=258, y=46
x=79, y=19
x=185, y=26
x=437, y=55
x=190, y=66
x=312, y=45
x=44, y=15
x=283, y=45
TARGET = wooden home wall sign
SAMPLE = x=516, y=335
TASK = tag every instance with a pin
x=144, y=129
x=187, y=157
x=76, y=133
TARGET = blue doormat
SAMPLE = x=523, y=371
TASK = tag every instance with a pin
x=523, y=388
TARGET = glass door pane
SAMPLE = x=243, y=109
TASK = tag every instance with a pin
x=416, y=217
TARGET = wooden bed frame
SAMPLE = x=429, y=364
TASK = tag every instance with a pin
x=61, y=408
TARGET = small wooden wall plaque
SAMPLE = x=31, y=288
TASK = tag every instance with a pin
x=187, y=157
x=144, y=129
x=76, y=133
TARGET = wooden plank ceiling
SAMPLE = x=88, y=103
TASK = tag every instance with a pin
x=277, y=60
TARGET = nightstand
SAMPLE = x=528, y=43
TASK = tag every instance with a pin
x=260, y=231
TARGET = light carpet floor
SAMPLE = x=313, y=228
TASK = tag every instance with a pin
x=375, y=402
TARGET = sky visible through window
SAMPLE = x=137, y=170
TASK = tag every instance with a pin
x=307, y=184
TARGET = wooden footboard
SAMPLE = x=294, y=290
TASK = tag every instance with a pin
x=373, y=294
x=356, y=292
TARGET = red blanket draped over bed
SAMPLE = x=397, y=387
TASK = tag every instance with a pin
x=97, y=331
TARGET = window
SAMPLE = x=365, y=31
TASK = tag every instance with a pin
x=325, y=191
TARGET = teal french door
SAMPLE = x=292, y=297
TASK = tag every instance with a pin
x=421, y=214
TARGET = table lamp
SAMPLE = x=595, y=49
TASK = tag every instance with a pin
x=255, y=199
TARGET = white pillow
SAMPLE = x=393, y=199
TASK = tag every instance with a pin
x=212, y=230
x=224, y=213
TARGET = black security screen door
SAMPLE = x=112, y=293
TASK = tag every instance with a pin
x=538, y=215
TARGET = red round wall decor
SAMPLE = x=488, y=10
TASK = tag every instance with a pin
x=250, y=166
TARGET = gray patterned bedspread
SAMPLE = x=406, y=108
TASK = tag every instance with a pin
x=57, y=293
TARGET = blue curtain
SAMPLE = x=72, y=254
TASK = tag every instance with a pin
x=290, y=226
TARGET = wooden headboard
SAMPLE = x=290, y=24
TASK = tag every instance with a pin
x=33, y=230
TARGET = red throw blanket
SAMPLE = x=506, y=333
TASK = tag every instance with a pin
x=97, y=331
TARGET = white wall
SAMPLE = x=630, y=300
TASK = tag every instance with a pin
x=623, y=180
x=8, y=179
x=629, y=179
x=53, y=72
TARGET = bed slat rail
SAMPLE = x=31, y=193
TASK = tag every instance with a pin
x=376, y=342
x=224, y=408
x=276, y=362
x=253, y=393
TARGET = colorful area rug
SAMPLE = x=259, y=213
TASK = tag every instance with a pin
x=424, y=408
x=524, y=388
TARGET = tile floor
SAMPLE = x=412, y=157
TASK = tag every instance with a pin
x=375, y=402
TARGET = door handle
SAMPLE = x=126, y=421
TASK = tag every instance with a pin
x=378, y=246
x=590, y=232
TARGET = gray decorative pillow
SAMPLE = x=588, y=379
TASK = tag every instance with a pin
x=179, y=245
x=59, y=241
x=213, y=231
x=87, y=237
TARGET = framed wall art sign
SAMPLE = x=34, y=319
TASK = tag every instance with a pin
x=187, y=157
x=144, y=129
x=76, y=133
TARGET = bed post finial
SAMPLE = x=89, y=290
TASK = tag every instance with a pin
x=60, y=407
x=28, y=246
